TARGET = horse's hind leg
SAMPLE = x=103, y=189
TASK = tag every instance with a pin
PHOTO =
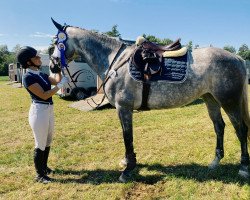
x=219, y=125
x=234, y=111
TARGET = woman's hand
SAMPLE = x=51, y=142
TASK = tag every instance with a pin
x=55, y=79
x=63, y=82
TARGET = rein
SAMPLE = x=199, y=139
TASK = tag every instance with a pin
x=107, y=77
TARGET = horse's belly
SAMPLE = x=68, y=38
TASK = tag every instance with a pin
x=154, y=103
x=172, y=95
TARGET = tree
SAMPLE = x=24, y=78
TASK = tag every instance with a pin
x=16, y=48
x=5, y=59
x=243, y=48
x=244, y=52
x=190, y=45
x=114, y=32
x=4, y=49
x=196, y=46
x=229, y=48
x=152, y=38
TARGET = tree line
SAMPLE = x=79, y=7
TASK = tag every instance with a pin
x=7, y=57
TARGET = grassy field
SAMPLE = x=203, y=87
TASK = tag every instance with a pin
x=4, y=78
x=174, y=148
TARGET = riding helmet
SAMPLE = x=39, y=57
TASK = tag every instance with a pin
x=25, y=54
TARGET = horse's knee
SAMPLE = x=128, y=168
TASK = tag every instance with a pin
x=219, y=126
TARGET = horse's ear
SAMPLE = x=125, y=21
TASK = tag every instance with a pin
x=57, y=25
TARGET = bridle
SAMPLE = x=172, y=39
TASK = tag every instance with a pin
x=59, y=52
x=60, y=49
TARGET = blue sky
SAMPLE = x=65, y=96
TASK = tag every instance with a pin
x=205, y=22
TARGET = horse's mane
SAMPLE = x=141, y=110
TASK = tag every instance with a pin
x=101, y=36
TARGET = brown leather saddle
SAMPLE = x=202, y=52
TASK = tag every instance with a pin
x=160, y=48
x=148, y=58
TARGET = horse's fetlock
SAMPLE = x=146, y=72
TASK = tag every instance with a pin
x=244, y=171
x=219, y=153
x=245, y=160
x=131, y=161
x=131, y=156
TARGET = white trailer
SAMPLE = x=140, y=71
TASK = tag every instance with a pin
x=15, y=72
x=83, y=80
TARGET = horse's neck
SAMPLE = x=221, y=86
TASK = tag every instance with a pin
x=98, y=50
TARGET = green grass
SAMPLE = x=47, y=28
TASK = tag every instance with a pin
x=4, y=78
x=174, y=148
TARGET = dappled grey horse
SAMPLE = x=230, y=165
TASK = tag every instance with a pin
x=217, y=76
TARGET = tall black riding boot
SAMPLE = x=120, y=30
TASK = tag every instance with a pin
x=39, y=166
x=46, y=156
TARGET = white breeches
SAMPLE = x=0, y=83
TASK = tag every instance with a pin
x=41, y=120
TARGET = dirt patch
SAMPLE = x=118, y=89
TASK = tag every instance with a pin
x=142, y=191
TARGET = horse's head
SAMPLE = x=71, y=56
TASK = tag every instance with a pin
x=62, y=51
x=98, y=50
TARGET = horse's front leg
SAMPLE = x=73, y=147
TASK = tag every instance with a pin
x=125, y=116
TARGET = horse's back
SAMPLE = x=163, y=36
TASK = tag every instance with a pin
x=220, y=57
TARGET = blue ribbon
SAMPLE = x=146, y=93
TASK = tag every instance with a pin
x=62, y=47
x=63, y=59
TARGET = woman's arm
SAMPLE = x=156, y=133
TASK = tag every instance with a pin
x=38, y=91
x=56, y=78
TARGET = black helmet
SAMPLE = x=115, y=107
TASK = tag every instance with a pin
x=25, y=54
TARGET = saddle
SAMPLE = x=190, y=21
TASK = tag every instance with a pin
x=148, y=56
x=160, y=48
x=148, y=60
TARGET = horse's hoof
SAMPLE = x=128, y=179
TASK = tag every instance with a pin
x=214, y=164
x=124, y=178
x=123, y=163
x=244, y=173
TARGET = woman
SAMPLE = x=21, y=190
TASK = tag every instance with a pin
x=41, y=114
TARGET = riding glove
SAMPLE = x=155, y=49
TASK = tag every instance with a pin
x=63, y=82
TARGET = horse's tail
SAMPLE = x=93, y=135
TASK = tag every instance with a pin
x=245, y=109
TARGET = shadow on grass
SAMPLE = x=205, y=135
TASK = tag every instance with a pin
x=224, y=173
